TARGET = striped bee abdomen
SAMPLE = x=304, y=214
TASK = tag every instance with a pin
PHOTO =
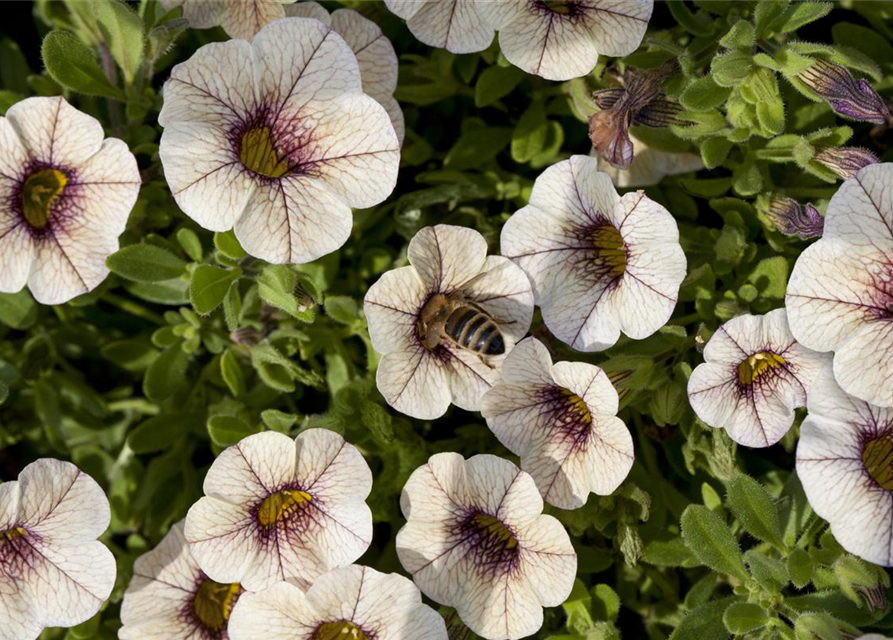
x=472, y=329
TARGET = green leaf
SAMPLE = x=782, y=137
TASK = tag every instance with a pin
x=228, y=430
x=14, y=69
x=740, y=36
x=18, y=310
x=122, y=31
x=699, y=24
x=495, y=83
x=605, y=603
x=209, y=286
x=342, y=309
x=160, y=432
x=703, y=94
x=765, y=12
x=743, y=617
x=754, y=508
x=72, y=65
x=800, y=568
x=476, y=147
x=703, y=622
x=190, y=243
x=800, y=14
x=866, y=40
x=731, y=69
x=133, y=355
x=529, y=135
x=714, y=151
x=227, y=244
x=711, y=541
x=232, y=375
x=167, y=374
x=770, y=277
x=670, y=553
x=146, y=263
x=769, y=571
x=278, y=420
x=170, y=292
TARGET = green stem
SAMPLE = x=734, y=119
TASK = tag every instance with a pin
x=692, y=317
x=133, y=308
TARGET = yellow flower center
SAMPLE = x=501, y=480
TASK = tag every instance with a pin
x=39, y=193
x=559, y=6
x=12, y=535
x=259, y=154
x=341, y=630
x=279, y=505
x=877, y=456
x=756, y=365
x=610, y=248
x=577, y=405
x=494, y=532
x=214, y=602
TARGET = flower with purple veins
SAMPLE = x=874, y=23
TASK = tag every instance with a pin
x=476, y=540
x=793, y=219
x=848, y=97
x=239, y=18
x=845, y=161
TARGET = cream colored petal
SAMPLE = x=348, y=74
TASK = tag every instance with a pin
x=330, y=468
x=352, y=147
x=54, y=132
x=70, y=260
x=454, y=25
x=309, y=9
x=280, y=612
x=414, y=382
x=470, y=377
x=107, y=186
x=863, y=366
x=222, y=541
x=201, y=14
x=293, y=220
x=499, y=13
x=244, y=18
x=590, y=383
x=17, y=610
x=13, y=154
x=404, y=8
x=436, y=489
x=584, y=314
x=861, y=211
x=299, y=60
x=252, y=469
x=503, y=290
x=446, y=256
x=520, y=416
x=205, y=174
x=575, y=192
x=435, y=556
x=391, y=306
x=498, y=605
x=9, y=505
x=16, y=253
x=391, y=105
x=529, y=363
x=548, y=560
x=499, y=488
x=617, y=26
x=375, y=53
x=215, y=86
x=60, y=503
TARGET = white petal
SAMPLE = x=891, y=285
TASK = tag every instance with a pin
x=446, y=256
x=435, y=488
x=575, y=191
x=70, y=261
x=252, y=469
x=17, y=610
x=16, y=252
x=9, y=505
x=107, y=186
x=469, y=377
x=391, y=105
x=243, y=19
x=861, y=211
x=504, y=605
x=215, y=86
x=391, y=307
x=503, y=290
x=583, y=314
x=222, y=541
x=60, y=503
x=201, y=14
x=404, y=8
x=454, y=25
x=414, y=382
x=502, y=490
x=353, y=148
x=375, y=53
x=590, y=383
x=309, y=9
x=549, y=559
x=529, y=363
x=14, y=155
x=618, y=26
x=293, y=220
x=863, y=364
x=280, y=612
x=205, y=175
x=54, y=132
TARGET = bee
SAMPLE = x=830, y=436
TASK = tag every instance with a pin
x=453, y=317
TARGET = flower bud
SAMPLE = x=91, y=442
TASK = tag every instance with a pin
x=792, y=219
x=845, y=161
x=847, y=96
x=874, y=597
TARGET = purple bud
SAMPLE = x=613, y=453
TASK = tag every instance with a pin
x=845, y=161
x=792, y=219
x=607, y=98
x=847, y=96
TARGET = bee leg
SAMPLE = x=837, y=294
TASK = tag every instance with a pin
x=432, y=338
x=483, y=359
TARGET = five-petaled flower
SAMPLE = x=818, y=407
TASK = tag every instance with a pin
x=840, y=294
x=281, y=509
x=349, y=603
x=754, y=375
x=561, y=420
x=562, y=39
x=239, y=18
x=53, y=571
x=65, y=196
x=375, y=53
x=454, y=25
x=845, y=462
x=600, y=264
x=476, y=539
x=171, y=598
x=445, y=322
x=277, y=140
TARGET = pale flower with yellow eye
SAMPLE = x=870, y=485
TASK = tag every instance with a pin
x=171, y=598
x=561, y=420
x=754, y=375
x=599, y=263
x=239, y=18
x=276, y=140
x=349, y=603
x=476, y=539
x=65, y=196
x=53, y=571
x=281, y=509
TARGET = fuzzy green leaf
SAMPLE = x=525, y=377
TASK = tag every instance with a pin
x=228, y=430
x=711, y=541
x=754, y=508
x=209, y=286
x=122, y=31
x=703, y=94
x=743, y=617
x=146, y=263
x=72, y=65
x=495, y=83
x=166, y=374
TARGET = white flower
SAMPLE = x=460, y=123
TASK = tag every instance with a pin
x=239, y=18
x=754, y=375
x=476, y=539
x=561, y=420
x=562, y=40
x=171, y=598
x=53, y=572
x=375, y=54
x=423, y=369
x=65, y=196
x=276, y=139
x=281, y=509
x=350, y=603
x=600, y=264
x=650, y=166
x=454, y=25
x=845, y=462
x=840, y=294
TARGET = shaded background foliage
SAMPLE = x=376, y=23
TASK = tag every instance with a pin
x=191, y=345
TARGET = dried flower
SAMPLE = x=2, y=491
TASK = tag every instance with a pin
x=845, y=161
x=848, y=97
x=794, y=219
